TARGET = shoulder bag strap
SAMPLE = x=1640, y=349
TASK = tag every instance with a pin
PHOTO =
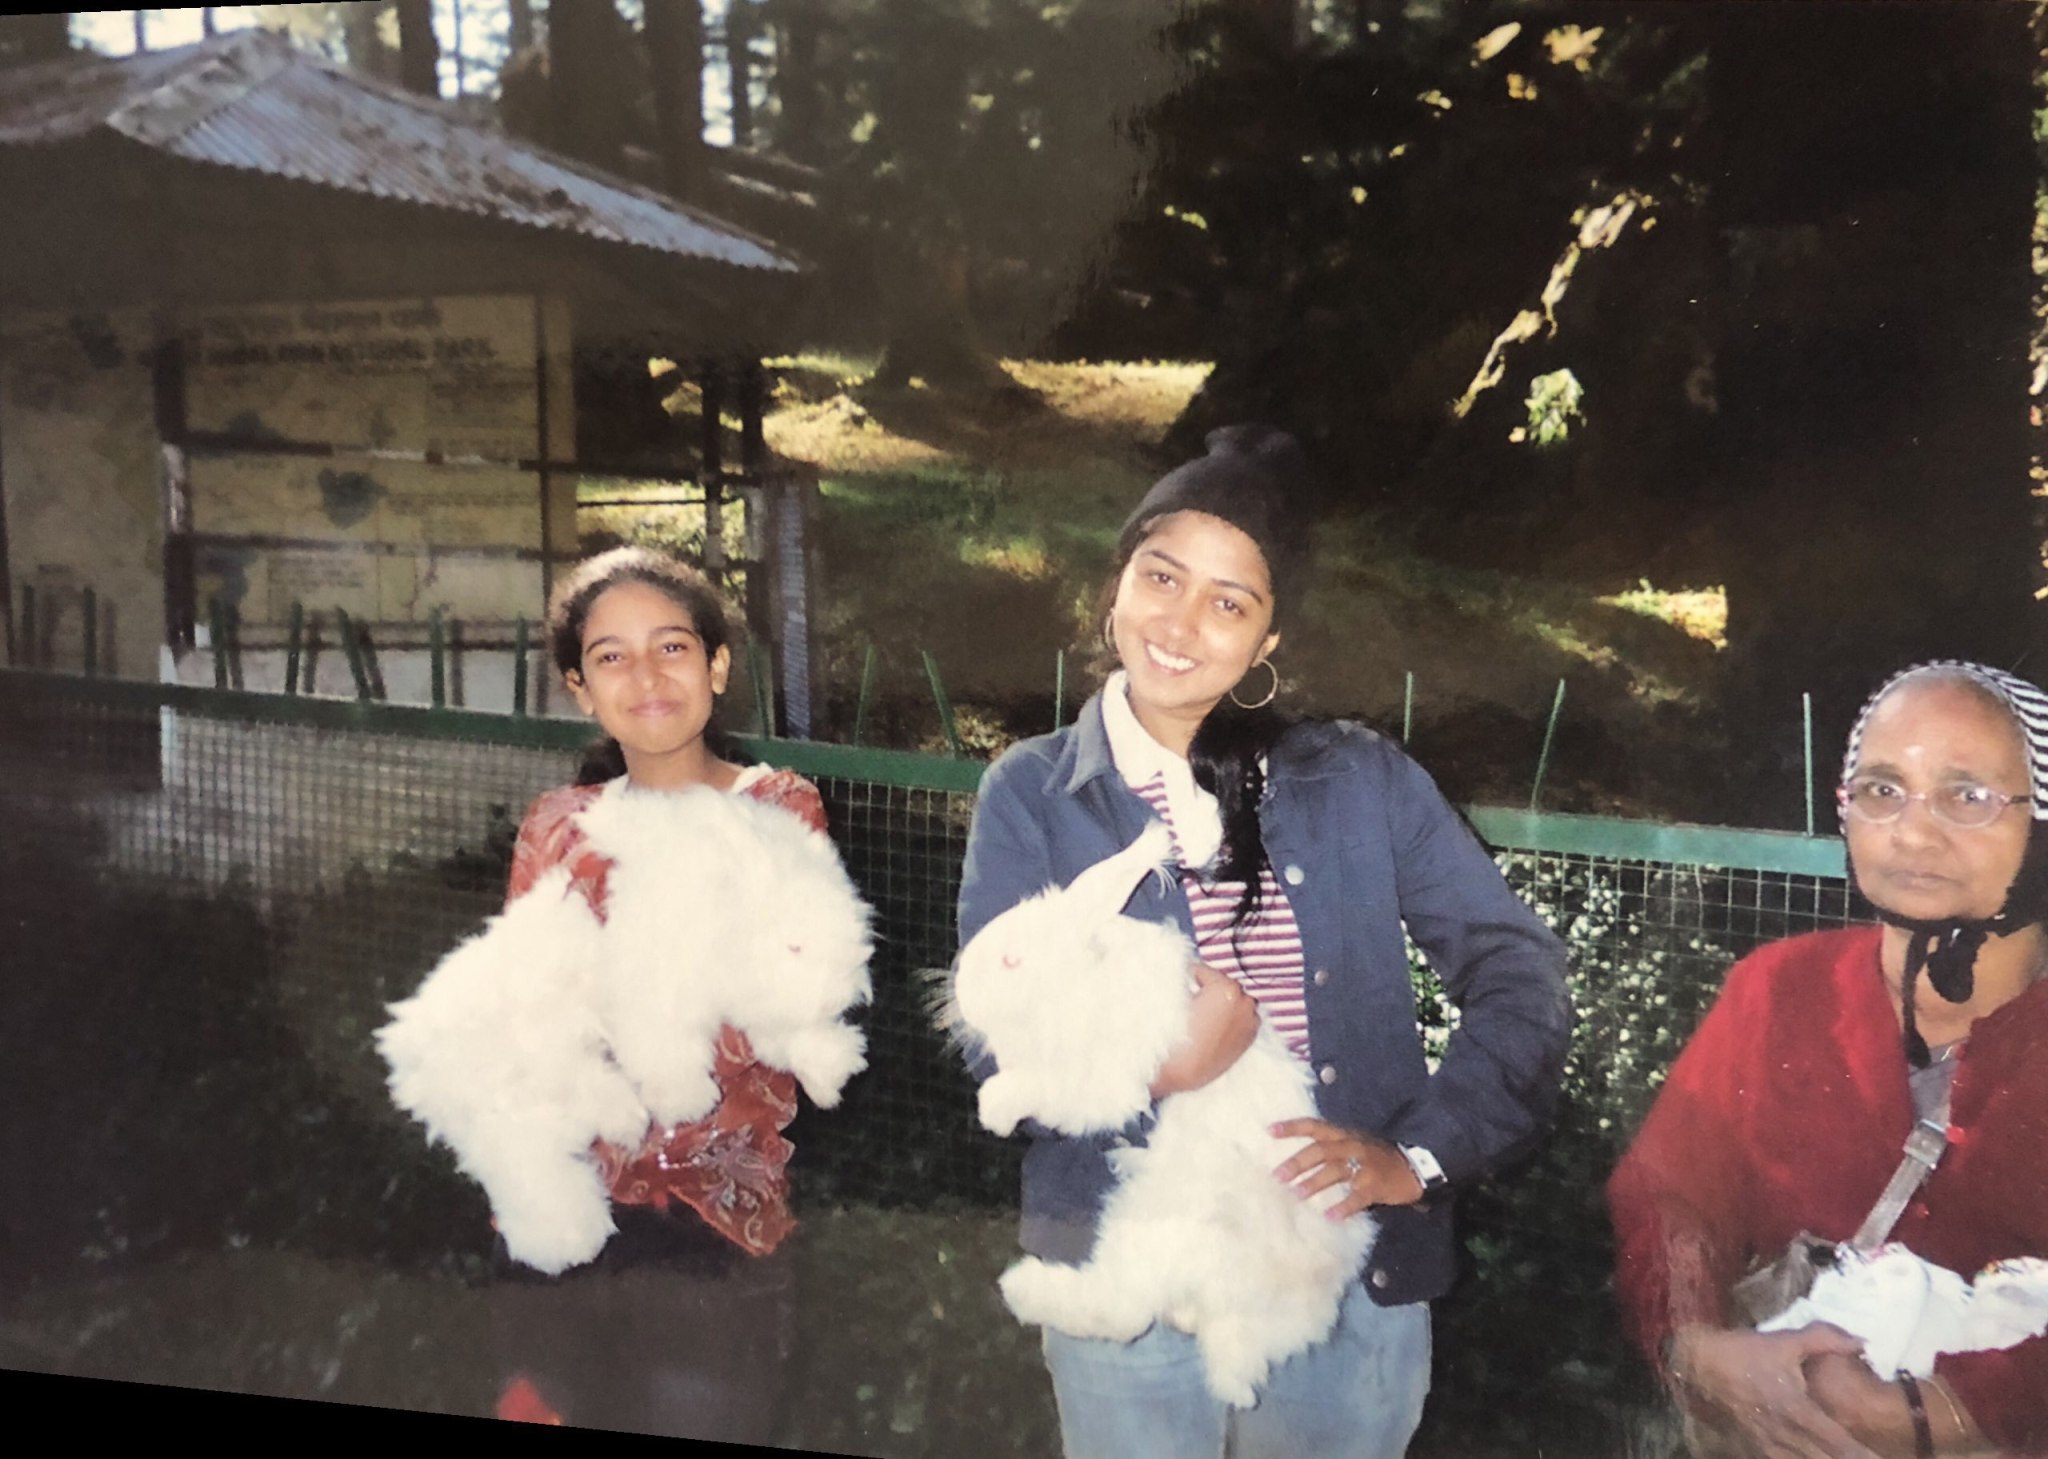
x=1924, y=1147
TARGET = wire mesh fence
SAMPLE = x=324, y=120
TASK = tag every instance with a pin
x=263, y=875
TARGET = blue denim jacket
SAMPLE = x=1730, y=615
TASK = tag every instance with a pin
x=1362, y=841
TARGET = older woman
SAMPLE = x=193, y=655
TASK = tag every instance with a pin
x=1788, y=1111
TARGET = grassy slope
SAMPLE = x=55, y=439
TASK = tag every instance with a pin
x=981, y=533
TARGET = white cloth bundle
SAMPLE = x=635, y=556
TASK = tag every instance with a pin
x=1909, y=1311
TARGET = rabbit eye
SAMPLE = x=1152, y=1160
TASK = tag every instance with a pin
x=1011, y=960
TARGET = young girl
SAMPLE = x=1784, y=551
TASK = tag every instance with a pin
x=1304, y=847
x=680, y=1326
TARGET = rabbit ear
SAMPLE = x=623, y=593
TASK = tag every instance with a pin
x=1102, y=890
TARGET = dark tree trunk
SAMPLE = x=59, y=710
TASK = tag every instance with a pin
x=35, y=37
x=588, y=102
x=142, y=30
x=419, y=52
x=932, y=333
x=675, y=61
x=1367, y=14
x=739, y=60
x=525, y=99
x=207, y=26
x=519, y=22
x=365, y=47
x=455, y=29
x=800, y=127
x=1273, y=23
x=1873, y=185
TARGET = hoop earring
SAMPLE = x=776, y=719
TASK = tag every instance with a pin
x=1109, y=633
x=1271, y=689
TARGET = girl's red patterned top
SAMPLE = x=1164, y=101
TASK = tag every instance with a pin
x=730, y=1166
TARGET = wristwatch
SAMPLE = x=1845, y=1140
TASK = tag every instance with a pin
x=1426, y=1170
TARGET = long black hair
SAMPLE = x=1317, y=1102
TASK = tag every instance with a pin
x=1227, y=755
x=569, y=610
x=1258, y=480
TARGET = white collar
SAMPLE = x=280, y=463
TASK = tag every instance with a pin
x=1197, y=823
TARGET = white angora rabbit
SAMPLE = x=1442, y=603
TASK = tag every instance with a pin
x=551, y=1029
x=720, y=909
x=501, y=1056
x=1079, y=1005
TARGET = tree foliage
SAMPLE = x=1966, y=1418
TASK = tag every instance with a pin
x=1347, y=223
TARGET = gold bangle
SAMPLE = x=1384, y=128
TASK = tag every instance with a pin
x=1955, y=1410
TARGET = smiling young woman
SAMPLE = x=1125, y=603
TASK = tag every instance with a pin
x=1788, y=1109
x=1193, y=615
x=1302, y=848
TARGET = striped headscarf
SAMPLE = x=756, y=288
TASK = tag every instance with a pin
x=1947, y=949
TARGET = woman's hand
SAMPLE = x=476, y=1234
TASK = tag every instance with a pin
x=1223, y=1020
x=1755, y=1383
x=1876, y=1411
x=1377, y=1173
x=1868, y=1406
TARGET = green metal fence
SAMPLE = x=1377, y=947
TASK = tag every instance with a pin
x=347, y=845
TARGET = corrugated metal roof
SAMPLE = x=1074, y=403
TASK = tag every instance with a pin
x=251, y=100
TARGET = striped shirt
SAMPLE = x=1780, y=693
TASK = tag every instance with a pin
x=1264, y=955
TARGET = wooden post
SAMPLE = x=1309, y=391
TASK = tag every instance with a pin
x=519, y=657
x=543, y=446
x=217, y=631
x=174, y=484
x=294, y=637
x=14, y=650
x=234, y=646
x=753, y=415
x=344, y=626
x=711, y=465
x=437, y=650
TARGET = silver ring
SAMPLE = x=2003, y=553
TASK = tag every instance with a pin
x=1351, y=1165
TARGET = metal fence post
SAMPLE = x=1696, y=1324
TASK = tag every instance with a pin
x=1549, y=733
x=294, y=636
x=946, y=721
x=519, y=657
x=437, y=651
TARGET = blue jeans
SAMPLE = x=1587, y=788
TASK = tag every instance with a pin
x=1357, y=1395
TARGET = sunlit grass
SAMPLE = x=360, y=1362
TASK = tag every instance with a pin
x=846, y=366
x=1700, y=612
x=1021, y=557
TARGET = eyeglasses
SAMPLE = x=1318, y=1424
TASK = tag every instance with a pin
x=1961, y=803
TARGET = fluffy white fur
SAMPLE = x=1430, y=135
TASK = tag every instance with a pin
x=720, y=909
x=1079, y=1005
x=551, y=1029
x=501, y=1056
